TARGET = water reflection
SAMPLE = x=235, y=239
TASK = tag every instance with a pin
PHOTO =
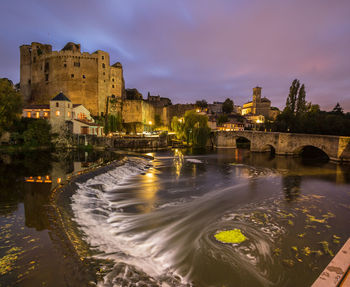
x=291, y=187
x=33, y=249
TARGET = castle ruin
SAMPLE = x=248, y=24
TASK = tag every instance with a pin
x=87, y=78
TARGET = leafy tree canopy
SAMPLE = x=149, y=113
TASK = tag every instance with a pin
x=10, y=105
x=202, y=104
x=227, y=106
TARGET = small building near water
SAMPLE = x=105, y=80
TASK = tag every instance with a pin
x=61, y=112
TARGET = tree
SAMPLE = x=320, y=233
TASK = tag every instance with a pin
x=222, y=119
x=10, y=105
x=193, y=128
x=227, y=106
x=196, y=129
x=38, y=133
x=202, y=104
x=301, y=102
x=177, y=126
x=292, y=97
x=337, y=110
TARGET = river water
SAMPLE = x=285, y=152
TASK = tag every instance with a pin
x=151, y=222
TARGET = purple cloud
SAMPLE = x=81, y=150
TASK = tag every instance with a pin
x=199, y=49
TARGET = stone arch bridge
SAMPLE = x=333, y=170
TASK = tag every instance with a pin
x=336, y=147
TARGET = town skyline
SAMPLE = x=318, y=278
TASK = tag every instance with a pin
x=184, y=51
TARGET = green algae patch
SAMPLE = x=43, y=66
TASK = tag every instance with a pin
x=230, y=236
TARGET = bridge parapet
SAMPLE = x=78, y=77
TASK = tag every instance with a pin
x=337, y=148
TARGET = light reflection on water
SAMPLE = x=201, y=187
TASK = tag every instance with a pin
x=155, y=221
x=283, y=206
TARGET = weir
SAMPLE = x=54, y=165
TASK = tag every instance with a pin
x=337, y=148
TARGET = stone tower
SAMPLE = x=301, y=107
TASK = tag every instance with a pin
x=61, y=110
x=257, y=94
x=88, y=79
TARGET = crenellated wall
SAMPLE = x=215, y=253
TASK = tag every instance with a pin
x=86, y=78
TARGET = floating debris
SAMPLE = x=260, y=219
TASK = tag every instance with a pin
x=326, y=249
x=277, y=252
x=230, y=236
x=301, y=235
x=306, y=250
x=288, y=262
x=312, y=218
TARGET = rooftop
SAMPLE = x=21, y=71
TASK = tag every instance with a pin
x=60, y=97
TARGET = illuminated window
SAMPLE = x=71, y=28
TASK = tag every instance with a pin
x=68, y=114
x=45, y=114
x=29, y=114
x=37, y=115
x=57, y=113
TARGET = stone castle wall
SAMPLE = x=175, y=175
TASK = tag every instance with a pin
x=86, y=78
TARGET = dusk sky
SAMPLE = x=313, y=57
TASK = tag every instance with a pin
x=197, y=49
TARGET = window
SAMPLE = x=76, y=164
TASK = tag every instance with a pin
x=29, y=115
x=29, y=82
x=113, y=80
x=68, y=105
x=68, y=114
x=84, y=77
x=45, y=114
x=72, y=76
x=34, y=59
x=65, y=65
x=113, y=86
x=103, y=57
x=103, y=65
x=57, y=113
x=46, y=77
x=57, y=105
x=76, y=64
x=37, y=115
x=46, y=67
x=104, y=73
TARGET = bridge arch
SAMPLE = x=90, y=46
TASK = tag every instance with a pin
x=269, y=148
x=311, y=151
x=243, y=141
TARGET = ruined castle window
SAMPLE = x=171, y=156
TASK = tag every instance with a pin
x=29, y=82
x=83, y=76
x=65, y=65
x=113, y=80
x=104, y=73
x=103, y=65
x=46, y=77
x=113, y=86
x=56, y=105
x=72, y=76
x=103, y=57
x=34, y=59
x=76, y=64
x=57, y=113
x=46, y=67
